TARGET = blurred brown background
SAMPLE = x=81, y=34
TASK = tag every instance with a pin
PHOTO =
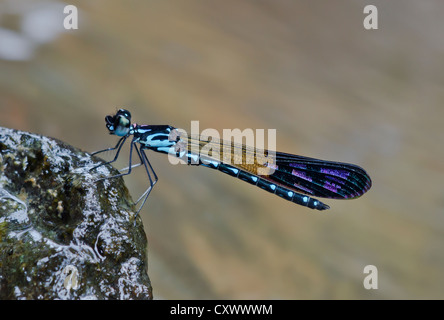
x=308, y=69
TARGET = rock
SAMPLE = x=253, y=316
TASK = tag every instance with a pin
x=63, y=234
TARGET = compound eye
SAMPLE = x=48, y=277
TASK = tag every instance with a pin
x=122, y=126
x=120, y=123
x=124, y=113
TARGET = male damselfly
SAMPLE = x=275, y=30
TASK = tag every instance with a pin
x=294, y=178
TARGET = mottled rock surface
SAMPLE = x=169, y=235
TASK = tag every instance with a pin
x=63, y=234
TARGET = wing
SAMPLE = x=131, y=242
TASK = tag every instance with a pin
x=313, y=177
x=320, y=178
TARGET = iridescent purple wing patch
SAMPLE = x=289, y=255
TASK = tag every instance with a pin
x=320, y=178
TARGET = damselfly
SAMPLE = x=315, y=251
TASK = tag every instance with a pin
x=294, y=178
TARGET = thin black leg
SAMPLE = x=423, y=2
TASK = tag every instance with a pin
x=129, y=167
x=121, y=140
x=118, y=147
x=152, y=170
x=148, y=166
x=143, y=160
x=136, y=165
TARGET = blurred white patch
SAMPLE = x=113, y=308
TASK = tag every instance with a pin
x=45, y=23
x=15, y=47
x=40, y=22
